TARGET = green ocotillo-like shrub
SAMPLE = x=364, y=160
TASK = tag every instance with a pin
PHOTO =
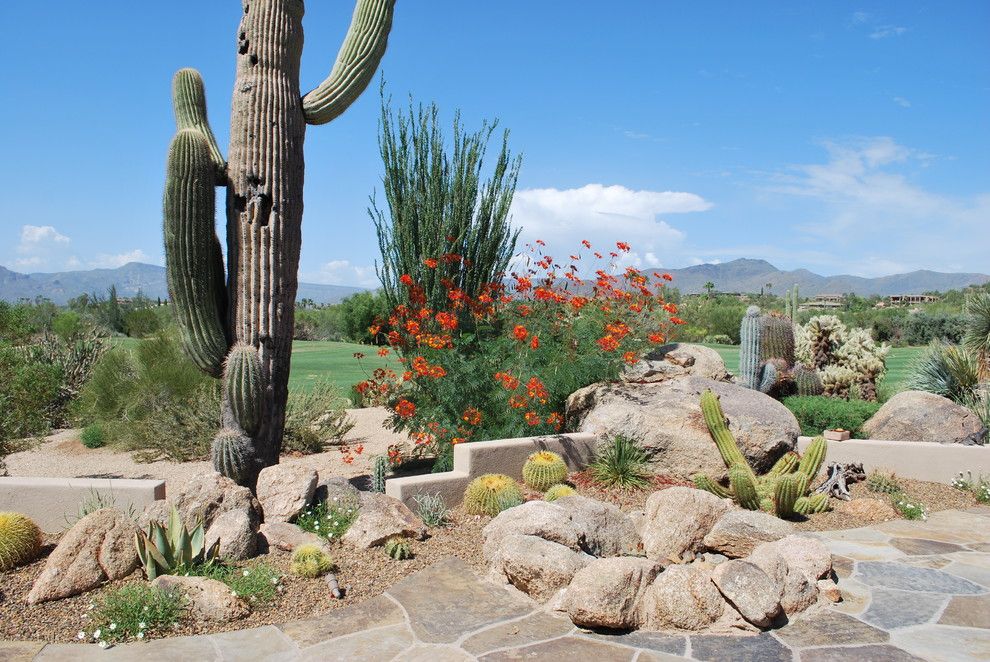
x=237, y=322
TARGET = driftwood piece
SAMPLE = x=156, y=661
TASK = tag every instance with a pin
x=840, y=476
x=331, y=580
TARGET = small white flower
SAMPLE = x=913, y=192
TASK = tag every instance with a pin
x=330, y=535
x=142, y=625
x=140, y=635
x=97, y=633
x=275, y=581
x=81, y=635
x=103, y=644
x=113, y=626
x=235, y=593
x=145, y=608
x=246, y=573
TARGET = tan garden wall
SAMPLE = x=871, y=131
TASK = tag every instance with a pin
x=53, y=503
x=919, y=460
x=504, y=456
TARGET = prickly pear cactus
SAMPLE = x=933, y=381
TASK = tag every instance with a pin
x=250, y=303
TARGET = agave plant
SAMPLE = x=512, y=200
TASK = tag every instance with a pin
x=164, y=549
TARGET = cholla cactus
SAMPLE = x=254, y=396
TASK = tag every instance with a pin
x=838, y=381
x=249, y=306
x=782, y=491
x=826, y=333
x=861, y=354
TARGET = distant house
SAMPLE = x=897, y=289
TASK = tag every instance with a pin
x=908, y=299
x=823, y=302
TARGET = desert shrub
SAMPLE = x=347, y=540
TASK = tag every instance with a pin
x=718, y=339
x=976, y=339
x=909, y=508
x=883, y=482
x=946, y=370
x=358, y=313
x=329, y=519
x=432, y=509
x=133, y=611
x=621, y=462
x=143, y=322
x=92, y=436
x=817, y=413
x=325, y=323
x=924, y=327
x=315, y=418
x=503, y=366
x=30, y=397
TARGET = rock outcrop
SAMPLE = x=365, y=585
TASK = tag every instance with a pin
x=921, y=416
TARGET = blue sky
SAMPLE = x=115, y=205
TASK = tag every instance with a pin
x=843, y=137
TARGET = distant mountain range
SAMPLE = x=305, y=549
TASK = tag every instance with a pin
x=742, y=275
x=133, y=277
x=750, y=276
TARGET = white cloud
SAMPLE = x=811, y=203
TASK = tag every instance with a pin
x=342, y=272
x=28, y=262
x=34, y=237
x=107, y=261
x=884, y=31
x=604, y=215
x=860, y=18
x=869, y=211
x=902, y=102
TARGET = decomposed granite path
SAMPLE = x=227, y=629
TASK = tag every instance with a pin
x=911, y=591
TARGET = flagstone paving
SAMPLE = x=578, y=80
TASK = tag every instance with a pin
x=911, y=591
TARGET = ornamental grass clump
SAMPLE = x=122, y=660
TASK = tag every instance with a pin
x=543, y=470
x=20, y=540
x=491, y=494
x=133, y=611
x=621, y=463
x=489, y=363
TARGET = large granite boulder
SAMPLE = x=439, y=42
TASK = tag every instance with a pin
x=749, y=590
x=381, y=517
x=534, y=518
x=537, y=567
x=665, y=417
x=921, y=416
x=677, y=521
x=286, y=536
x=684, y=597
x=604, y=529
x=98, y=548
x=795, y=564
x=206, y=599
x=607, y=593
x=738, y=532
x=237, y=534
x=285, y=490
x=677, y=360
x=204, y=498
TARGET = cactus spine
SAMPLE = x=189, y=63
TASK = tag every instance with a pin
x=232, y=455
x=20, y=540
x=811, y=462
x=777, y=339
x=543, y=470
x=490, y=494
x=749, y=348
x=787, y=463
x=379, y=469
x=253, y=304
x=807, y=380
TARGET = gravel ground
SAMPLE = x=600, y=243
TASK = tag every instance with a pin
x=63, y=456
x=362, y=573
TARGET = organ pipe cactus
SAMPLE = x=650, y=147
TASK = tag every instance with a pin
x=237, y=322
x=783, y=490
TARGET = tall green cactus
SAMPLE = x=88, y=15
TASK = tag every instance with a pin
x=379, y=472
x=749, y=348
x=252, y=305
x=783, y=490
x=777, y=339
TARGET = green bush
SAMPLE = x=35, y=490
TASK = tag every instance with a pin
x=257, y=583
x=818, y=413
x=29, y=396
x=946, y=370
x=133, y=611
x=92, y=436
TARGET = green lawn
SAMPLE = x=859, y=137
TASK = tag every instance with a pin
x=313, y=360
x=898, y=362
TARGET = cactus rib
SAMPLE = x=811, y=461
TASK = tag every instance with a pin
x=243, y=386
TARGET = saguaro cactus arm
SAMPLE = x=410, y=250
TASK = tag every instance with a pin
x=356, y=63
x=189, y=105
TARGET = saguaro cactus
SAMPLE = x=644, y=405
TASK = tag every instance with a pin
x=250, y=305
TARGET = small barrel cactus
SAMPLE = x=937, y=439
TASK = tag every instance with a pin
x=231, y=452
x=490, y=494
x=559, y=492
x=398, y=548
x=310, y=561
x=379, y=469
x=543, y=470
x=20, y=540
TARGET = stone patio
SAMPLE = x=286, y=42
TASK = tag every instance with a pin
x=912, y=591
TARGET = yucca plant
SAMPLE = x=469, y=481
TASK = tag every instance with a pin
x=165, y=549
x=976, y=340
x=621, y=463
x=946, y=370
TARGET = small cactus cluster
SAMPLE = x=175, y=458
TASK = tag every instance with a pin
x=543, y=470
x=310, y=561
x=490, y=494
x=559, y=492
x=379, y=469
x=20, y=540
x=398, y=548
x=783, y=491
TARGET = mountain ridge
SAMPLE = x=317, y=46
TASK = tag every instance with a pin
x=741, y=275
